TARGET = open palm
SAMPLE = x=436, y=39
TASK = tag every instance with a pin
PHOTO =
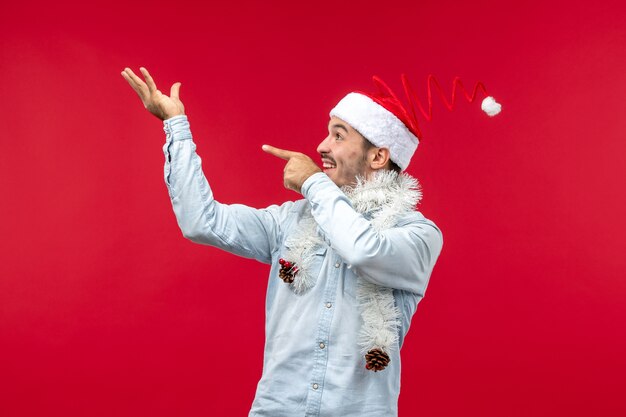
x=155, y=101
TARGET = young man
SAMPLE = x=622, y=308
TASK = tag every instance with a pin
x=349, y=262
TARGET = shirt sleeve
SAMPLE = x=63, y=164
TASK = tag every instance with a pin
x=242, y=230
x=401, y=257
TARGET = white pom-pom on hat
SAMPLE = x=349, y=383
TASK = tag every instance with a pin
x=491, y=106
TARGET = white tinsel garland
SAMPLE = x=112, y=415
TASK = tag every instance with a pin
x=380, y=317
x=301, y=246
x=383, y=198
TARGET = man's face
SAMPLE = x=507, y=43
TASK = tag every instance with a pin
x=343, y=153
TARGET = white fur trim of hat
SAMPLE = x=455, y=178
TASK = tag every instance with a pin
x=378, y=125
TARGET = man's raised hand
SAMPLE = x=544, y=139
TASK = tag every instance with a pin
x=157, y=103
x=299, y=167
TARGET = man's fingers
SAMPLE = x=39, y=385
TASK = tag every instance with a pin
x=131, y=76
x=135, y=82
x=281, y=153
x=175, y=91
x=149, y=81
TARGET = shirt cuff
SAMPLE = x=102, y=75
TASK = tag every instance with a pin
x=319, y=183
x=308, y=183
x=177, y=128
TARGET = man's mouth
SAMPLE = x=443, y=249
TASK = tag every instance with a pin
x=328, y=163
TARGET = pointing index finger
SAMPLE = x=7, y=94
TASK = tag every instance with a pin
x=281, y=153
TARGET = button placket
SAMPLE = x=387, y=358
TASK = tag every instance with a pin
x=318, y=374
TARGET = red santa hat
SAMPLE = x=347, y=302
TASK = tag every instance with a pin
x=385, y=121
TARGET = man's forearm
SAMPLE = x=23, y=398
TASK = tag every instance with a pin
x=398, y=257
x=236, y=228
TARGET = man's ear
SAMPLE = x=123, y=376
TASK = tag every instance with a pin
x=379, y=158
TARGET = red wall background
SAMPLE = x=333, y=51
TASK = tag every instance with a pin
x=105, y=310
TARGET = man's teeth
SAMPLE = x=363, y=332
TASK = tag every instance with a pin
x=328, y=165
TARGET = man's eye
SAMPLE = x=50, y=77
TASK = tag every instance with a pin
x=338, y=136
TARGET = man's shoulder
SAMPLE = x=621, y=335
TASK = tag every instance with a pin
x=289, y=208
x=416, y=218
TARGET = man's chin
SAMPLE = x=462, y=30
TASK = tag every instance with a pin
x=332, y=174
x=339, y=182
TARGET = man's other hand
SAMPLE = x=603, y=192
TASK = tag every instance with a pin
x=299, y=167
x=157, y=103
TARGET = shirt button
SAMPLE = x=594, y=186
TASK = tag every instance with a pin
x=329, y=305
x=315, y=386
x=322, y=345
x=337, y=265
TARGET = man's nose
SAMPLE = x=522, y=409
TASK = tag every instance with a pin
x=323, y=146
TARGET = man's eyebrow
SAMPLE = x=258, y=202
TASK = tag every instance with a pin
x=340, y=126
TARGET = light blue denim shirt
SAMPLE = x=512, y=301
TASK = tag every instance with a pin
x=312, y=364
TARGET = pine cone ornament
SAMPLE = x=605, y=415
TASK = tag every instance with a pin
x=288, y=270
x=376, y=360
